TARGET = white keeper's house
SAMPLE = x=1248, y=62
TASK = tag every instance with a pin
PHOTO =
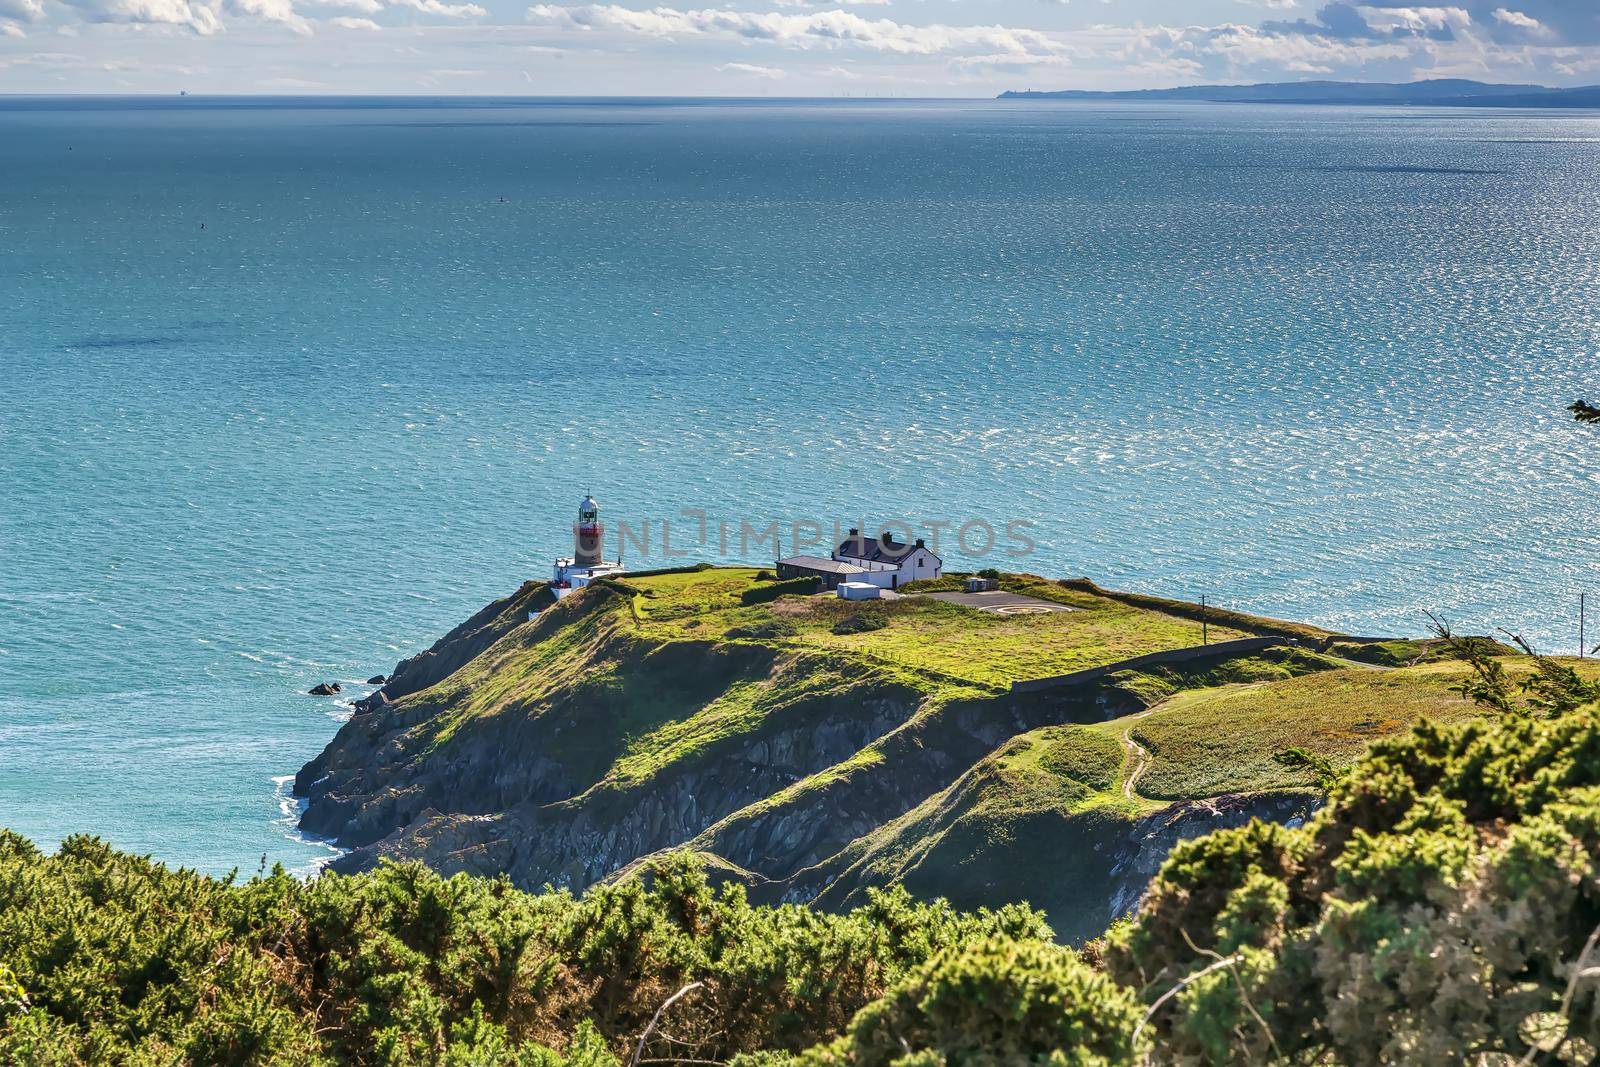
x=881, y=561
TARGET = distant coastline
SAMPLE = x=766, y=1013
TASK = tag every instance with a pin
x=1452, y=92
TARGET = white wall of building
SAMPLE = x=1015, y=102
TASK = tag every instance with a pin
x=916, y=565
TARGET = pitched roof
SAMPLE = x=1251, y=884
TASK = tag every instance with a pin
x=882, y=549
x=821, y=565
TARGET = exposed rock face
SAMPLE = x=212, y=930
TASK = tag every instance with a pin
x=324, y=689
x=383, y=788
x=461, y=645
x=565, y=748
x=1147, y=845
x=377, y=679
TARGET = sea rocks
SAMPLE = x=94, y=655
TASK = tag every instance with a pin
x=376, y=679
x=324, y=689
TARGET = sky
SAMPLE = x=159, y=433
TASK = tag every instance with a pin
x=775, y=47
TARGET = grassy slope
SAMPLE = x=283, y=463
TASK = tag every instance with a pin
x=674, y=671
x=1204, y=742
x=1043, y=815
x=1005, y=830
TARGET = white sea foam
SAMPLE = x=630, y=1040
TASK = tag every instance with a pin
x=290, y=808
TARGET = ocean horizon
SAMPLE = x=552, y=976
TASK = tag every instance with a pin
x=292, y=386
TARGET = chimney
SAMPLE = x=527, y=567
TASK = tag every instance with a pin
x=921, y=543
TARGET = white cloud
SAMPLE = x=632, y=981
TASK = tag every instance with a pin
x=1247, y=48
x=278, y=11
x=1517, y=19
x=1427, y=41
x=848, y=3
x=751, y=70
x=1418, y=20
x=365, y=7
x=821, y=29
x=438, y=7
x=197, y=17
x=665, y=48
x=21, y=10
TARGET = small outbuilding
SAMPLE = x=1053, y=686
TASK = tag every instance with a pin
x=830, y=572
x=859, y=591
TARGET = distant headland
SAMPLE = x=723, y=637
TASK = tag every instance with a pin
x=1443, y=92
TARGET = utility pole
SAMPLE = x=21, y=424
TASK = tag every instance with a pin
x=1205, y=631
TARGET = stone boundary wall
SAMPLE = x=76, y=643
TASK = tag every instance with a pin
x=1217, y=616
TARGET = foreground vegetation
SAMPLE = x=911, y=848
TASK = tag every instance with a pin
x=1441, y=908
x=113, y=958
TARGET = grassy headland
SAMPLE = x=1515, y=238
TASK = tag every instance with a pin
x=813, y=748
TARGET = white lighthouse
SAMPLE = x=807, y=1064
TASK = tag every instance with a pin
x=588, y=560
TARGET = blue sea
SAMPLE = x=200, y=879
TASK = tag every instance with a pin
x=290, y=387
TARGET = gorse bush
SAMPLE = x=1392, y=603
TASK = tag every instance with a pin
x=999, y=1002
x=114, y=958
x=1441, y=908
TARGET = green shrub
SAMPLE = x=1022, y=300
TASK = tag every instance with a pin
x=998, y=1002
x=771, y=628
x=762, y=594
x=862, y=622
x=1433, y=912
x=124, y=960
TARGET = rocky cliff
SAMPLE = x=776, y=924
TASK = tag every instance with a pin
x=566, y=749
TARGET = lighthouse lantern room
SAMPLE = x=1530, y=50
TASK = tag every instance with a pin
x=588, y=560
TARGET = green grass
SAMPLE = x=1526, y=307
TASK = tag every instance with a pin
x=1060, y=789
x=1039, y=818
x=1032, y=768
x=669, y=672
x=796, y=685
x=948, y=643
x=1405, y=651
x=1205, y=742
x=1256, y=624
x=638, y=681
x=672, y=596
x=1150, y=685
x=996, y=650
